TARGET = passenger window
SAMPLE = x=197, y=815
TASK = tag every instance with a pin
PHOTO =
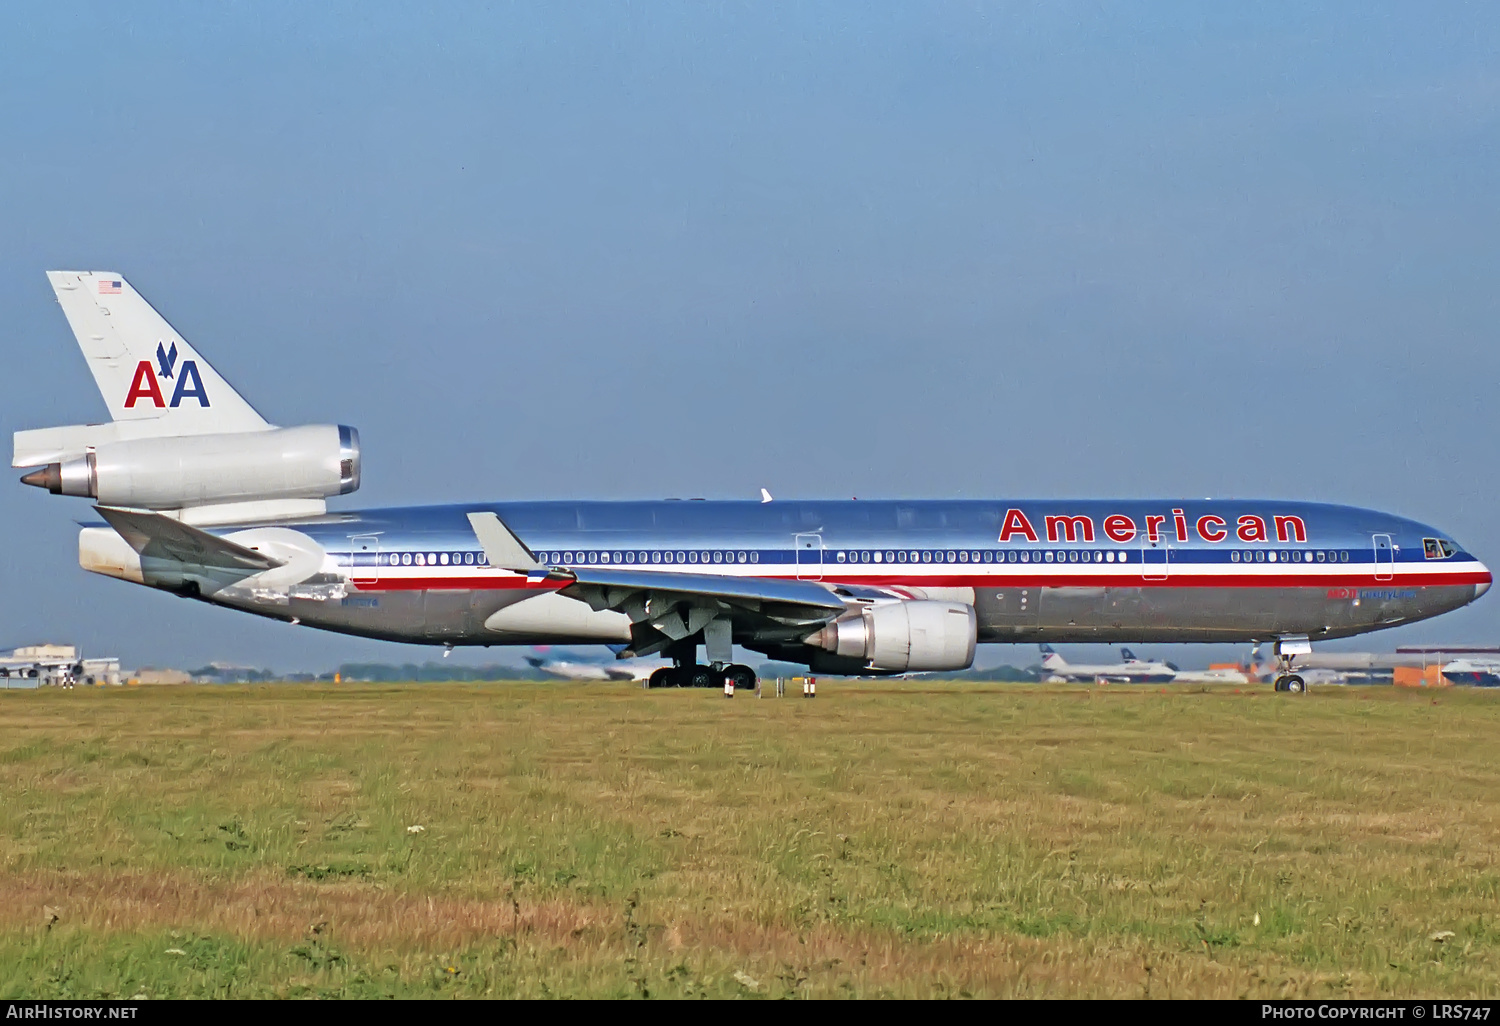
x=963, y=557
x=989, y=556
x=755, y=557
x=741, y=557
x=718, y=557
x=1344, y=556
x=1260, y=557
x=1011, y=558
x=1025, y=557
x=890, y=557
x=705, y=557
x=952, y=557
x=1234, y=557
x=1049, y=555
x=916, y=557
x=901, y=556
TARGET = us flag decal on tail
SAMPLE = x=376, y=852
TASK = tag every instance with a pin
x=108, y=287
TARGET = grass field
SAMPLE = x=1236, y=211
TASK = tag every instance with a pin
x=882, y=839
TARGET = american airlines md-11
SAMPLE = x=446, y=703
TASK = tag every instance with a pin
x=199, y=496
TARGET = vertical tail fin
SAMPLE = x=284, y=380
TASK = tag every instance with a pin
x=144, y=369
x=1128, y=656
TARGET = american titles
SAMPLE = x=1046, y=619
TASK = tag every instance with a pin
x=1118, y=527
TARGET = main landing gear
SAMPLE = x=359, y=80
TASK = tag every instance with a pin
x=694, y=675
x=686, y=672
x=1288, y=649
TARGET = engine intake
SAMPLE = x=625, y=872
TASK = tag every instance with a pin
x=901, y=636
x=310, y=462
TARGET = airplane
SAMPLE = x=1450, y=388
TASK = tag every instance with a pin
x=633, y=670
x=1215, y=677
x=1483, y=673
x=1129, y=671
x=197, y=495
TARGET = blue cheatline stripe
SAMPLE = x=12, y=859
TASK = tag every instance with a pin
x=1062, y=556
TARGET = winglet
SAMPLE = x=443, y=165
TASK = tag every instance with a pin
x=501, y=547
x=765, y=496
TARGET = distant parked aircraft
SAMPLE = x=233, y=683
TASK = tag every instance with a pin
x=1129, y=671
x=1484, y=673
x=586, y=669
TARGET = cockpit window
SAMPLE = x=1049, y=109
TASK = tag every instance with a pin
x=1438, y=548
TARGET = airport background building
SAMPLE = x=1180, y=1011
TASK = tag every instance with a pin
x=34, y=666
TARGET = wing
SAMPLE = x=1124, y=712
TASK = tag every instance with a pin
x=666, y=606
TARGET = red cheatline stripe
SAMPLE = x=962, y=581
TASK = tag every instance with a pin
x=1344, y=580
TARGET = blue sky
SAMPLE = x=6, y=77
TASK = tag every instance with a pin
x=630, y=251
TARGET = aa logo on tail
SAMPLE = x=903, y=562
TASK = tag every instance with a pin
x=147, y=381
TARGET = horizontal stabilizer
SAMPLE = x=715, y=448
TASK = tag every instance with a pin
x=159, y=536
x=501, y=547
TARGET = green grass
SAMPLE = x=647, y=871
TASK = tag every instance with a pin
x=883, y=839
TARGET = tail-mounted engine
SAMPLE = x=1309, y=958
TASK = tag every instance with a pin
x=310, y=462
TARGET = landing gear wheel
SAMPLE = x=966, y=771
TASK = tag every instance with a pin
x=1280, y=684
x=660, y=678
x=698, y=677
x=1295, y=684
x=742, y=677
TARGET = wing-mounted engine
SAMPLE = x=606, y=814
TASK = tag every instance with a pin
x=902, y=636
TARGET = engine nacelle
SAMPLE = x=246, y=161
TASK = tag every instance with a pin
x=309, y=462
x=901, y=636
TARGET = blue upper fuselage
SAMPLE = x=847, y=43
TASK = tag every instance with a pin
x=1189, y=526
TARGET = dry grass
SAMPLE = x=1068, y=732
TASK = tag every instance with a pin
x=904, y=839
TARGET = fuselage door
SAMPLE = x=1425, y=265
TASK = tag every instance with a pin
x=1385, y=558
x=1156, y=557
x=364, y=558
x=809, y=556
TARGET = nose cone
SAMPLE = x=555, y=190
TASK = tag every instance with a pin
x=1483, y=586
